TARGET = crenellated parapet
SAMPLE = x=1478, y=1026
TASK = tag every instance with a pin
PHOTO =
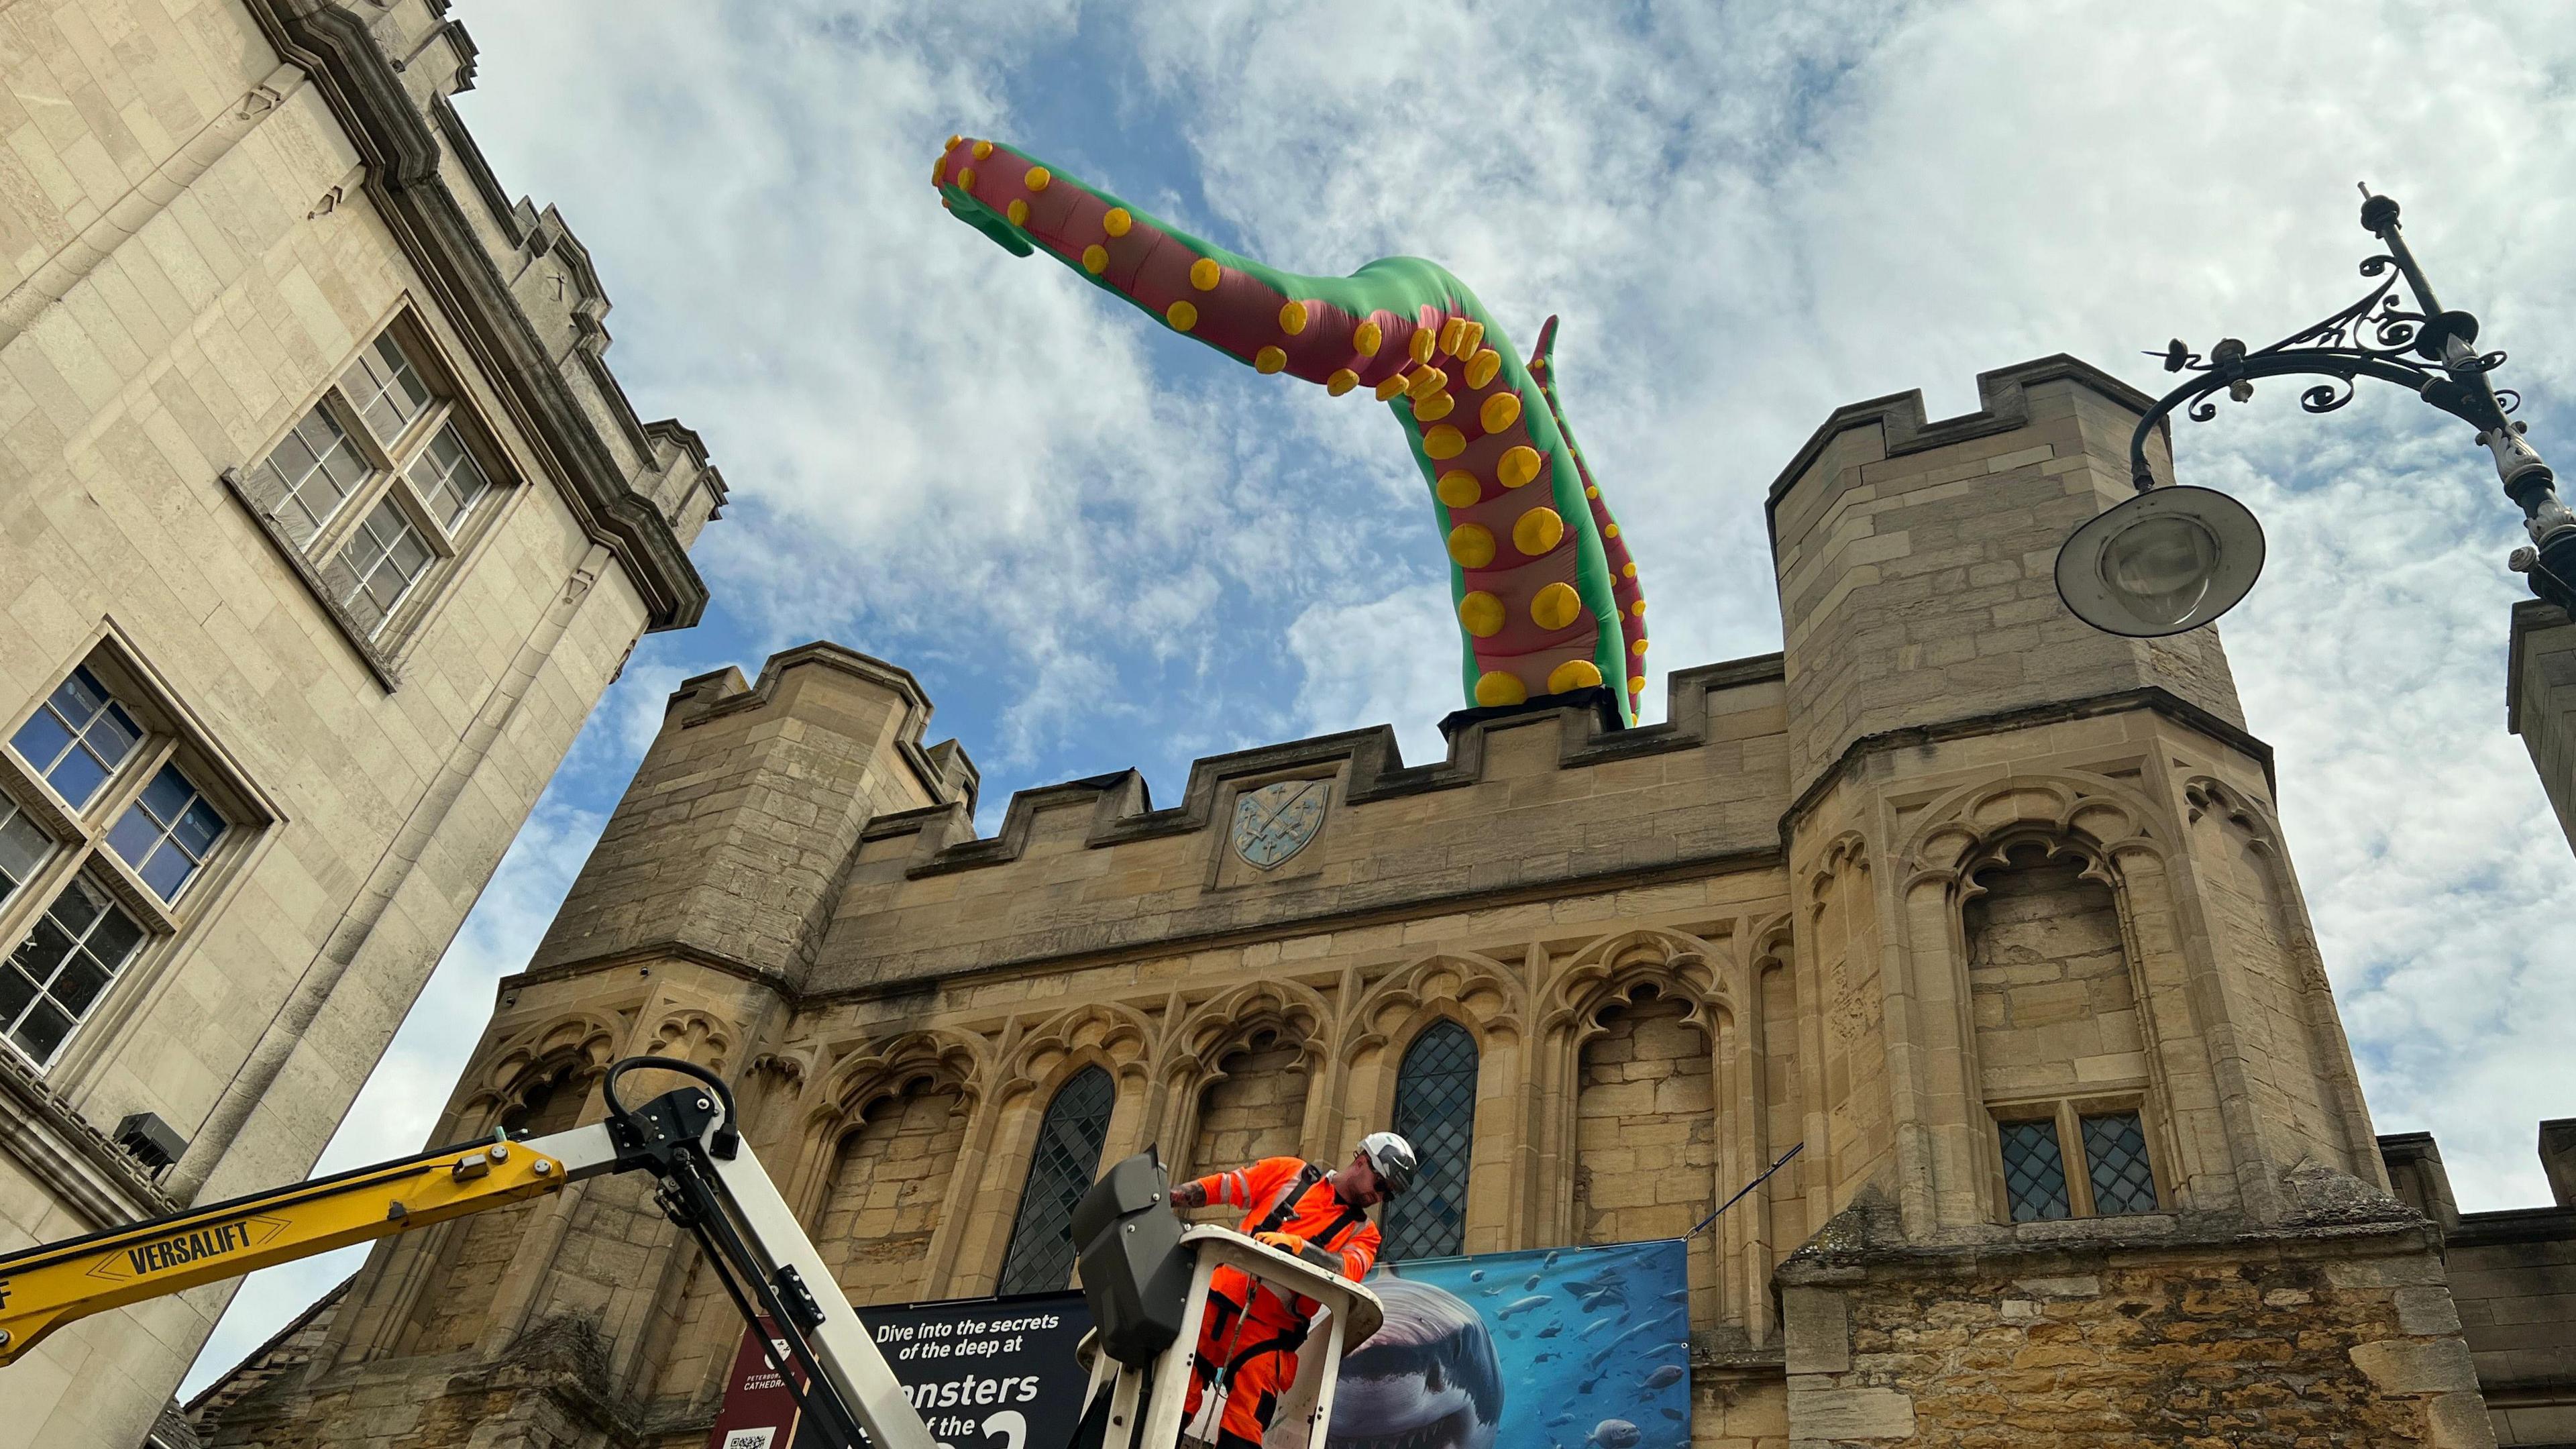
x=1948, y=878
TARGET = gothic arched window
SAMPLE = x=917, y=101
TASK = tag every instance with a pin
x=1435, y=1110
x=1060, y=1172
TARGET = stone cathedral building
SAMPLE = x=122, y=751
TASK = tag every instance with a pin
x=323, y=524
x=1988, y=911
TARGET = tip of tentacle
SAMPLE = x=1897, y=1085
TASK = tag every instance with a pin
x=1541, y=350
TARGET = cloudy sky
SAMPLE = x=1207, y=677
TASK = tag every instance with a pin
x=1746, y=214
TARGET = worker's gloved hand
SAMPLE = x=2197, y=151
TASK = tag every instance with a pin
x=1288, y=1243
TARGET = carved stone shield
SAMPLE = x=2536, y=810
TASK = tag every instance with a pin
x=1275, y=821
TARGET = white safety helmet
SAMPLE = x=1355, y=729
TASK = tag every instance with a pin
x=1391, y=1158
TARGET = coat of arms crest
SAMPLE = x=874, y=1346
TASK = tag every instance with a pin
x=1275, y=821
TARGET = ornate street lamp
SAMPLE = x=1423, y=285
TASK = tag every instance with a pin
x=2176, y=558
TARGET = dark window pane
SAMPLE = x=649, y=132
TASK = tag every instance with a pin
x=1435, y=1110
x=42, y=951
x=168, y=794
x=15, y=992
x=42, y=1030
x=23, y=847
x=61, y=997
x=1062, y=1170
x=2115, y=1149
x=112, y=734
x=2034, y=1172
x=134, y=836
x=79, y=983
x=167, y=870
x=77, y=777
x=114, y=938
x=199, y=829
x=82, y=694
x=77, y=907
x=41, y=739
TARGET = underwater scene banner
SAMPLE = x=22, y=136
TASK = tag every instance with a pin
x=1554, y=1348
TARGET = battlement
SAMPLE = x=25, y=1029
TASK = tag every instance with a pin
x=1916, y=563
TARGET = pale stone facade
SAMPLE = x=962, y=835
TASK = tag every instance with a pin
x=1950, y=866
x=2540, y=701
x=215, y=217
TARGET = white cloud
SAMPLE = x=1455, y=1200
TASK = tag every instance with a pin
x=1748, y=220
x=1364, y=665
x=1746, y=216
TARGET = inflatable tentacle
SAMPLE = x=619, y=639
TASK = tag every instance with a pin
x=1632, y=599
x=1547, y=594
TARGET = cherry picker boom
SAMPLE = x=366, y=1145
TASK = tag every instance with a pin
x=1145, y=1276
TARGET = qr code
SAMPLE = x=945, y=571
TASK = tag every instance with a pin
x=750, y=1438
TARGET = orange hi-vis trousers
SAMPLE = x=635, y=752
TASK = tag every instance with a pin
x=1252, y=1358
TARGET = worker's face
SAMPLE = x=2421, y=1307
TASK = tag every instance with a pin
x=1358, y=1184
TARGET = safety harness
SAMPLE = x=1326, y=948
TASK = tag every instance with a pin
x=1287, y=1340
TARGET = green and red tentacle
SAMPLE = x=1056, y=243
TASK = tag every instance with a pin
x=1546, y=591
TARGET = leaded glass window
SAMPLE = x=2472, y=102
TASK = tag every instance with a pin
x=1435, y=1110
x=62, y=967
x=2115, y=1151
x=2035, y=1172
x=1062, y=1170
x=77, y=737
x=168, y=832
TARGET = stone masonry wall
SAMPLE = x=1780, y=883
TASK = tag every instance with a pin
x=1646, y=1136
x=2291, y=1343
x=1916, y=562
x=2049, y=982
x=1257, y=1109
x=1775, y=963
x=886, y=1193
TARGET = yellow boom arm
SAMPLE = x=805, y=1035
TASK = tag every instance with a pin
x=45, y=1288
x=710, y=1184
x=713, y=1187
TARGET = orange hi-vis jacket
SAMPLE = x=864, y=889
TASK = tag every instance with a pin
x=1338, y=1236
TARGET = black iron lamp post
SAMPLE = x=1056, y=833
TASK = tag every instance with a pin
x=2176, y=558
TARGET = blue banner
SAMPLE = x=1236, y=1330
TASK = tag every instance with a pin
x=1566, y=1348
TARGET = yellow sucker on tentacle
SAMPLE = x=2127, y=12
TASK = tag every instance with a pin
x=1547, y=594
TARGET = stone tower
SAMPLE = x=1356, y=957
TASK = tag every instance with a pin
x=1983, y=911
x=2044, y=905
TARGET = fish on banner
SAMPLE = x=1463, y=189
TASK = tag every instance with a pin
x=1461, y=1365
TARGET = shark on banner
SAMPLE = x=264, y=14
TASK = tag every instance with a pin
x=1563, y=1348
x=1547, y=594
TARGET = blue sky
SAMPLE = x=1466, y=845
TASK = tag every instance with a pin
x=1746, y=215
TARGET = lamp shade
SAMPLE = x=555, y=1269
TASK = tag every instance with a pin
x=2167, y=560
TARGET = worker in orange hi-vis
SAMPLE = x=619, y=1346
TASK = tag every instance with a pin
x=1248, y=1343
